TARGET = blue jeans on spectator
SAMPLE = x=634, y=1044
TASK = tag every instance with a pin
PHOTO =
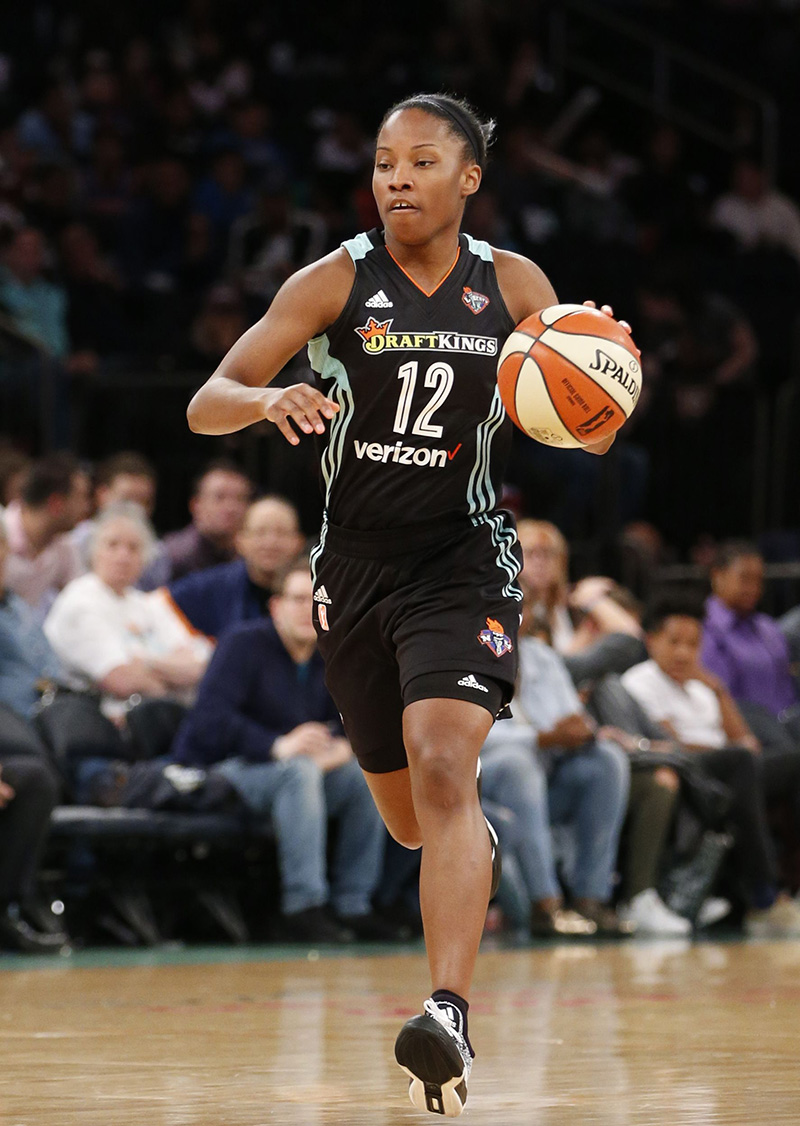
x=586, y=790
x=299, y=799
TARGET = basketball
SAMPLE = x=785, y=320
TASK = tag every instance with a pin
x=569, y=376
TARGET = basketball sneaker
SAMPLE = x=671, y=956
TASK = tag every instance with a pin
x=433, y=1051
x=497, y=857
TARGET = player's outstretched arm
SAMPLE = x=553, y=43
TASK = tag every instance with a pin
x=237, y=395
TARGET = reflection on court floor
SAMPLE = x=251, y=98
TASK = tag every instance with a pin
x=634, y=1033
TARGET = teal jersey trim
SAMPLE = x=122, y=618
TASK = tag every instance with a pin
x=328, y=367
x=358, y=247
x=479, y=248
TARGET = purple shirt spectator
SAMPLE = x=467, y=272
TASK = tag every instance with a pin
x=750, y=654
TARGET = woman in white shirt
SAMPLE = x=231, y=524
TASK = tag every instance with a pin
x=115, y=638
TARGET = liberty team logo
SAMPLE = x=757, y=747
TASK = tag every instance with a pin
x=475, y=302
x=496, y=638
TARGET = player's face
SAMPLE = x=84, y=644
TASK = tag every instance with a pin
x=675, y=647
x=421, y=179
x=740, y=584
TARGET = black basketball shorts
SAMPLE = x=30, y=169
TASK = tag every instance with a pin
x=417, y=613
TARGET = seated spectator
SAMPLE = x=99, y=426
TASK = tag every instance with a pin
x=28, y=794
x=549, y=757
x=272, y=242
x=219, y=500
x=755, y=213
x=220, y=597
x=27, y=661
x=114, y=638
x=28, y=787
x=42, y=559
x=695, y=708
x=14, y=466
x=124, y=477
x=747, y=650
x=590, y=624
x=264, y=717
x=37, y=307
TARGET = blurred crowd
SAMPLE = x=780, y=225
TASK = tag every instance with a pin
x=164, y=171
x=648, y=781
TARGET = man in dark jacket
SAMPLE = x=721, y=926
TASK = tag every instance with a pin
x=264, y=718
x=219, y=597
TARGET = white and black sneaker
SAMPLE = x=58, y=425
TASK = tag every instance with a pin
x=497, y=856
x=433, y=1051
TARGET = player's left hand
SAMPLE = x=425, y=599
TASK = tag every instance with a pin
x=605, y=444
x=609, y=312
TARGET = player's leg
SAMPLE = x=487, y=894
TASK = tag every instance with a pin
x=392, y=795
x=443, y=739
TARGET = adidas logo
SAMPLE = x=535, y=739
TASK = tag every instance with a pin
x=379, y=300
x=469, y=681
x=321, y=595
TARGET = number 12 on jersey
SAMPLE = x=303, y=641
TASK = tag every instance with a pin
x=439, y=377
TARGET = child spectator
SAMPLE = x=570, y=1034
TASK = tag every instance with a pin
x=695, y=708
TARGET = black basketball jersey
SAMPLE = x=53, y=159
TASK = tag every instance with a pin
x=421, y=431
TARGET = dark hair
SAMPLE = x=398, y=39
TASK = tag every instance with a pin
x=126, y=462
x=220, y=465
x=728, y=552
x=463, y=122
x=672, y=604
x=299, y=565
x=49, y=476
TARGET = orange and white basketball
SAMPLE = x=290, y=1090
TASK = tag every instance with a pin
x=569, y=376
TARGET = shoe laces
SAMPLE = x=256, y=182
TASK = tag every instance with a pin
x=452, y=1022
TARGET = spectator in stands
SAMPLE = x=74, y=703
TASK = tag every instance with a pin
x=28, y=788
x=273, y=241
x=747, y=650
x=98, y=321
x=549, y=756
x=264, y=717
x=217, y=598
x=27, y=663
x=37, y=307
x=218, y=504
x=55, y=497
x=593, y=625
x=14, y=466
x=755, y=213
x=124, y=477
x=695, y=708
x=116, y=639
x=216, y=328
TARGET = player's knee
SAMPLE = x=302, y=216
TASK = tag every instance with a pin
x=439, y=778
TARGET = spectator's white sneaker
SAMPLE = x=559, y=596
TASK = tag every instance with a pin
x=433, y=1052
x=652, y=916
x=711, y=911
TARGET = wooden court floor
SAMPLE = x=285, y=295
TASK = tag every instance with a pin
x=635, y=1033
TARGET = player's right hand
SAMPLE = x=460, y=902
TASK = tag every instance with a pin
x=304, y=405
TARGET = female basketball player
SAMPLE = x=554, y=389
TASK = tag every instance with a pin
x=415, y=573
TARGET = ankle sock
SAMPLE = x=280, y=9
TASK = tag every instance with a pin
x=447, y=998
